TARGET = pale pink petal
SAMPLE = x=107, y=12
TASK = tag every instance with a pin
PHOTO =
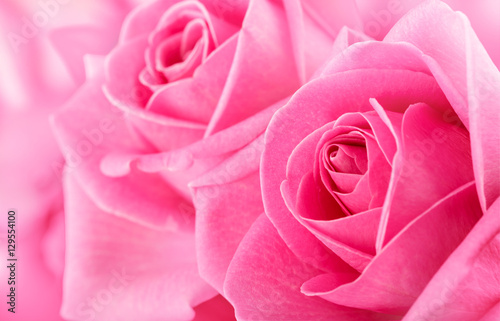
x=483, y=17
x=379, y=16
x=261, y=61
x=73, y=42
x=312, y=35
x=144, y=18
x=119, y=270
x=196, y=98
x=101, y=128
x=228, y=10
x=123, y=67
x=38, y=291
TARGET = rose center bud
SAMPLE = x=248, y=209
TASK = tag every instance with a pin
x=181, y=42
x=348, y=159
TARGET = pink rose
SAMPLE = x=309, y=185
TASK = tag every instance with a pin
x=380, y=187
x=189, y=85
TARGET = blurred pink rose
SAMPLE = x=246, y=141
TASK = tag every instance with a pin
x=34, y=82
x=187, y=86
x=380, y=187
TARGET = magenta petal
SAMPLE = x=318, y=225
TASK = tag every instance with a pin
x=467, y=286
x=116, y=268
x=216, y=309
x=264, y=279
x=423, y=173
x=398, y=274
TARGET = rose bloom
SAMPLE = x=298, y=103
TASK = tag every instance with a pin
x=377, y=196
x=188, y=85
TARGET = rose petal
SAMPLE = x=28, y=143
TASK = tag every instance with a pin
x=123, y=67
x=422, y=173
x=264, y=279
x=144, y=18
x=261, y=62
x=467, y=286
x=196, y=98
x=116, y=268
x=227, y=201
x=216, y=309
x=312, y=36
x=469, y=79
x=101, y=129
x=413, y=255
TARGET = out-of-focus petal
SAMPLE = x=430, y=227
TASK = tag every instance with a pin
x=119, y=270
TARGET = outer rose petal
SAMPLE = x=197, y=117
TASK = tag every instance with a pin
x=265, y=270
x=469, y=79
x=230, y=187
x=261, y=62
x=467, y=286
x=379, y=16
x=422, y=174
x=313, y=26
x=119, y=270
x=413, y=255
x=227, y=201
